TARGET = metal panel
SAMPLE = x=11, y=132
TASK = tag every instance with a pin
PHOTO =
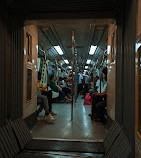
x=12, y=137
x=17, y=134
x=3, y=50
x=1, y=154
x=26, y=129
x=3, y=150
x=6, y=140
x=121, y=148
x=21, y=131
x=112, y=135
x=4, y=146
x=125, y=91
x=11, y=67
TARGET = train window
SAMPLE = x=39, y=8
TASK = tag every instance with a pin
x=112, y=47
x=29, y=84
x=139, y=92
x=29, y=47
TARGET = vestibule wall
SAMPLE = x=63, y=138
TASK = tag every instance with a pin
x=138, y=37
x=30, y=106
x=125, y=71
x=111, y=67
x=11, y=62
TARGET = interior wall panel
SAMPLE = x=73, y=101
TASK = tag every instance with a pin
x=3, y=52
x=11, y=57
x=125, y=102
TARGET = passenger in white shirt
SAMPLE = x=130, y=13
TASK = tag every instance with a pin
x=80, y=80
x=86, y=86
x=97, y=84
x=100, y=106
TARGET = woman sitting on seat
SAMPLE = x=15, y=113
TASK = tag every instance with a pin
x=43, y=102
x=56, y=88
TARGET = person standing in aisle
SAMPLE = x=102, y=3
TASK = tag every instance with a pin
x=80, y=80
x=86, y=85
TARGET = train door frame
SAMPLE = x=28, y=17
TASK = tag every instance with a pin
x=137, y=64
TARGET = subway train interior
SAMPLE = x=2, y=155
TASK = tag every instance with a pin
x=70, y=81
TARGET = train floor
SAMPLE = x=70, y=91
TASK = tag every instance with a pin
x=51, y=154
x=81, y=129
x=62, y=138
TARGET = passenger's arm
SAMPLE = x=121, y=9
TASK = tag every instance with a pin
x=103, y=94
x=43, y=88
x=62, y=86
x=100, y=94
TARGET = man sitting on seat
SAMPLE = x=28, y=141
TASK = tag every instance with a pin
x=101, y=105
x=63, y=85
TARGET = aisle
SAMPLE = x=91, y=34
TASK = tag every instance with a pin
x=82, y=128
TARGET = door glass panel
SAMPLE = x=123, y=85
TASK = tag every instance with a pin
x=139, y=93
x=29, y=47
x=29, y=84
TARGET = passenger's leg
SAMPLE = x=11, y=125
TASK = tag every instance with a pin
x=85, y=90
x=101, y=110
x=63, y=96
x=67, y=92
x=39, y=101
x=49, y=97
x=46, y=107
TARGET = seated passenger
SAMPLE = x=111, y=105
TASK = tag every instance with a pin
x=43, y=101
x=56, y=88
x=101, y=105
x=97, y=84
x=48, y=94
x=63, y=85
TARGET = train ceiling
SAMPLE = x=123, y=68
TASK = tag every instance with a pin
x=46, y=9
x=72, y=9
x=87, y=33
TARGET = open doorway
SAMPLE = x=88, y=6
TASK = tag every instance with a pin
x=48, y=61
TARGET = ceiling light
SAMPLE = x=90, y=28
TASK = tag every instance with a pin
x=59, y=50
x=88, y=61
x=92, y=49
x=66, y=61
x=86, y=67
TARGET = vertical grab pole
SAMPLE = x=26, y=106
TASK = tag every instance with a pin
x=72, y=75
x=57, y=70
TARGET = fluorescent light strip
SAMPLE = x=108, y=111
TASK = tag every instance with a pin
x=88, y=61
x=92, y=49
x=66, y=61
x=59, y=50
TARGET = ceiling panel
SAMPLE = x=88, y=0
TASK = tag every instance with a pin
x=86, y=34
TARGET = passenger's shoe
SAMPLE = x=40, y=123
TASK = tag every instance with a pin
x=38, y=119
x=53, y=114
x=49, y=117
